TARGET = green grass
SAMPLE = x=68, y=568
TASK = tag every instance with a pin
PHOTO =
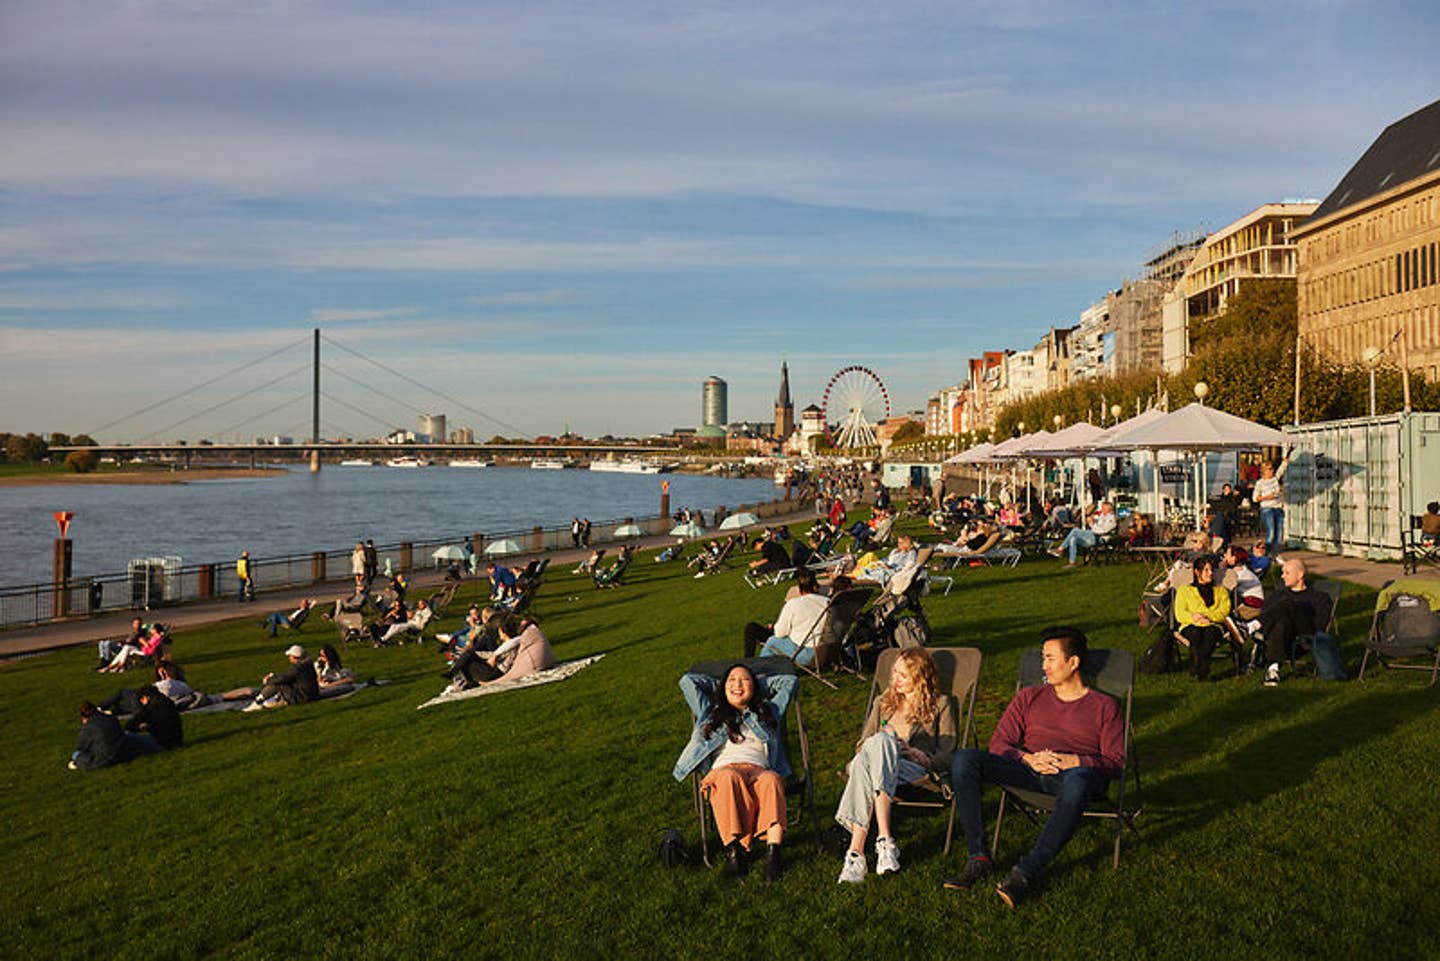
x=1296, y=822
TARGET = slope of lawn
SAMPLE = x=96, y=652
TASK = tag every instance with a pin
x=1291, y=822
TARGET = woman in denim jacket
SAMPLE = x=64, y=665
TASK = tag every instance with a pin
x=738, y=744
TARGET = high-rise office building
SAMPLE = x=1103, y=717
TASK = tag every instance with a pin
x=714, y=403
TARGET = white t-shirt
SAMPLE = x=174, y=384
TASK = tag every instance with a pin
x=750, y=750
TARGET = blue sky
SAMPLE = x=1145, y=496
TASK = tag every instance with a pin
x=571, y=214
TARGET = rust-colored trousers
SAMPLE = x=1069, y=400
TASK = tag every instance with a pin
x=747, y=799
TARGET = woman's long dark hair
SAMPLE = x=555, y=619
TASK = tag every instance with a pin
x=723, y=713
x=1207, y=591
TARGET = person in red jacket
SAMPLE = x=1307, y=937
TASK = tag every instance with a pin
x=1060, y=738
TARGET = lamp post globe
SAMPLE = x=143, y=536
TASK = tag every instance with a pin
x=1202, y=390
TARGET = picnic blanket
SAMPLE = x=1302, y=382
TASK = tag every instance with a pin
x=557, y=673
x=216, y=706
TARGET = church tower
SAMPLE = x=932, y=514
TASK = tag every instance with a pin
x=784, y=407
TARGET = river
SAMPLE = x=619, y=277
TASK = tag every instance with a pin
x=211, y=521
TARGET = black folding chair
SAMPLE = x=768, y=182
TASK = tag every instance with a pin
x=1111, y=672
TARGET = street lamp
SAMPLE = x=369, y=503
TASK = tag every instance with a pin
x=1115, y=413
x=1202, y=390
x=1371, y=356
x=1020, y=427
x=1057, y=420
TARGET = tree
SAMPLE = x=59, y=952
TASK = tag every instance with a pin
x=909, y=431
x=81, y=461
x=83, y=440
x=29, y=449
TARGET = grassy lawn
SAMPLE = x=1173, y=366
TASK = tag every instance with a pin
x=1293, y=822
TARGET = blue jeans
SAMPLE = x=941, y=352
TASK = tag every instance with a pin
x=1077, y=540
x=276, y=621
x=1273, y=518
x=1072, y=789
x=784, y=647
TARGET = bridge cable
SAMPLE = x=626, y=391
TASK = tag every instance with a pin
x=425, y=387
x=370, y=387
x=304, y=395
x=214, y=407
x=191, y=390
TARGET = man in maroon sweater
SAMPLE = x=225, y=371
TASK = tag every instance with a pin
x=1060, y=738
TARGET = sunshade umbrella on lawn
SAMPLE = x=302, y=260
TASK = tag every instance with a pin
x=448, y=553
x=627, y=530
x=503, y=546
x=736, y=521
x=687, y=530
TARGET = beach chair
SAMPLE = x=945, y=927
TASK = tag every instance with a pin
x=800, y=786
x=827, y=638
x=587, y=566
x=1110, y=672
x=351, y=627
x=610, y=576
x=1414, y=549
x=1405, y=627
x=1305, y=643
x=959, y=675
x=713, y=563
x=1235, y=637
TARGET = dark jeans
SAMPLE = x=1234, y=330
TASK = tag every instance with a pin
x=276, y=621
x=755, y=637
x=124, y=701
x=1203, y=641
x=1281, y=622
x=469, y=666
x=969, y=769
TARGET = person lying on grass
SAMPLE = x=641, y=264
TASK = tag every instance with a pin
x=737, y=742
x=909, y=733
x=1059, y=738
x=169, y=681
x=294, y=620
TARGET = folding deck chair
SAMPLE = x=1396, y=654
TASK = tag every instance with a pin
x=1110, y=672
x=801, y=784
x=827, y=638
x=1406, y=627
x=959, y=675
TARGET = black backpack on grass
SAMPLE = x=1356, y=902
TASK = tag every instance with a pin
x=1160, y=656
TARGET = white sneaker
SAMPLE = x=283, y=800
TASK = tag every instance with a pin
x=443, y=638
x=853, y=871
x=887, y=856
x=1272, y=675
x=252, y=706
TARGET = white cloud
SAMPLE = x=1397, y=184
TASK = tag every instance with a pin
x=340, y=315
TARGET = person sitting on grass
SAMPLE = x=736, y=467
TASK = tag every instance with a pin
x=295, y=686
x=1200, y=610
x=468, y=666
x=1059, y=738
x=794, y=628
x=674, y=552
x=737, y=742
x=531, y=651
x=1102, y=524
x=294, y=620
x=331, y=675
x=167, y=682
x=102, y=742
x=396, y=614
x=773, y=557
x=909, y=733
x=158, y=717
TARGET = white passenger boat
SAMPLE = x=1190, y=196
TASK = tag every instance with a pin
x=357, y=462
x=471, y=462
x=406, y=462
x=547, y=464
x=630, y=466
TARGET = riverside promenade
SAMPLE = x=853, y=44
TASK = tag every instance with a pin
x=72, y=633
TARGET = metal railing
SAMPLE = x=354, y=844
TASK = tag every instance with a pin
x=155, y=586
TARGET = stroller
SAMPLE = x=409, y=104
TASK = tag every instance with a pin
x=896, y=619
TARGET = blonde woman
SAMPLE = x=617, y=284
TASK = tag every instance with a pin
x=909, y=733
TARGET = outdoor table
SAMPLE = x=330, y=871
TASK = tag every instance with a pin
x=1157, y=559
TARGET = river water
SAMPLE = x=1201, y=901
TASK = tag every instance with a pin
x=212, y=521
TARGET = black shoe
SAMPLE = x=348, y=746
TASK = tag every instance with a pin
x=1014, y=888
x=736, y=864
x=773, y=865
x=976, y=869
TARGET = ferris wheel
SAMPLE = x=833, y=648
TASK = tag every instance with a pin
x=857, y=400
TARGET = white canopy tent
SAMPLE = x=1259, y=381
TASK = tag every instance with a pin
x=1194, y=429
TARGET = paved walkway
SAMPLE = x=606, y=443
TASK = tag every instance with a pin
x=72, y=633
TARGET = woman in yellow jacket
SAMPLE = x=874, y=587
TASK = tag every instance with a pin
x=1200, y=610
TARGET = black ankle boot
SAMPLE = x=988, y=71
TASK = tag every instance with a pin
x=736, y=864
x=773, y=864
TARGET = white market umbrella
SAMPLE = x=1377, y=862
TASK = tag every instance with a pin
x=628, y=530
x=687, y=530
x=503, y=546
x=448, y=553
x=736, y=521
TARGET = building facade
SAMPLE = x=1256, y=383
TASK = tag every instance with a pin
x=714, y=403
x=1257, y=246
x=432, y=429
x=1088, y=358
x=1369, y=257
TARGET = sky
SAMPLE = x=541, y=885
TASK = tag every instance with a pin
x=568, y=215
